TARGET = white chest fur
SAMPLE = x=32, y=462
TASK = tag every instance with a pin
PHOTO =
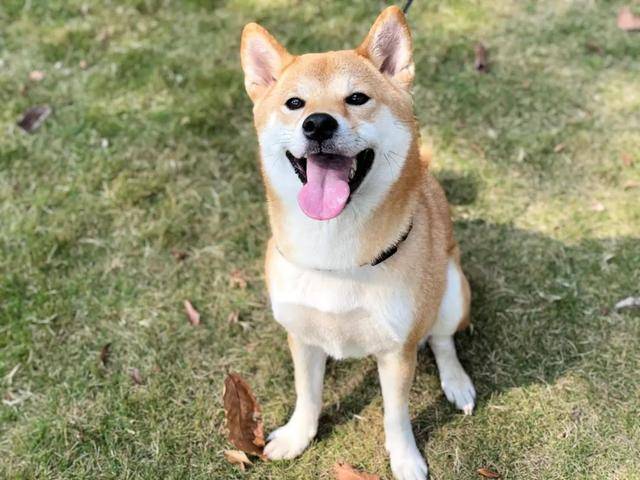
x=348, y=313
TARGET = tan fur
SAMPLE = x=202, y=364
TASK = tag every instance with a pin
x=422, y=263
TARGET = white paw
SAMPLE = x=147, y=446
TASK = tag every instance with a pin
x=459, y=390
x=289, y=441
x=408, y=464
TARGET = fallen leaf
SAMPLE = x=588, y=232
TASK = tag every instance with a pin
x=34, y=117
x=105, y=353
x=598, y=207
x=558, y=148
x=629, y=302
x=627, y=21
x=631, y=184
x=593, y=47
x=233, y=318
x=36, y=76
x=237, y=457
x=627, y=161
x=192, y=314
x=344, y=471
x=237, y=280
x=179, y=255
x=486, y=473
x=135, y=376
x=83, y=64
x=481, y=64
x=243, y=415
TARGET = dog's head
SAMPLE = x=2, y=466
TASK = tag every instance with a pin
x=334, y=128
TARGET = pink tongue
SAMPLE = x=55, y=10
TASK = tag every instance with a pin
x=326, y=192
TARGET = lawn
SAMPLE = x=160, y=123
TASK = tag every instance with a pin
x=149, y=156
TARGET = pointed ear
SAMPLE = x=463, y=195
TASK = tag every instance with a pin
x=388, y=45
x=263, y=59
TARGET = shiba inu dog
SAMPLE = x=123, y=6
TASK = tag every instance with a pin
x=362, y=258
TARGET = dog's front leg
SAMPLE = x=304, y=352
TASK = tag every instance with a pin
x=396, y=371
x=290, y=440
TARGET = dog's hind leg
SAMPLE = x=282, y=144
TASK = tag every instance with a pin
x=291, y=439
x=453, y=316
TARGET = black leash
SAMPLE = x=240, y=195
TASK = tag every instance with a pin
x=406, y=7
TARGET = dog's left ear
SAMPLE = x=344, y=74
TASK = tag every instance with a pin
x=388, y=45
x=263, y=59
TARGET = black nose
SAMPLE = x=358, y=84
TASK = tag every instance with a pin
x=319, y=126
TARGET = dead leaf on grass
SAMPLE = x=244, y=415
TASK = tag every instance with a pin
x=135, y=376
x=629, y=302
x=233, y=318
x=237, y=280
x=344, y=471
x=192, y=314
x=481, y=63
x=237, y=457
x=631, y=184
x=558, y=148
x=593, y=47
x=598, y=207
x=36, y=76
x=179, y=255
x=105, y=353
x=243, y=415
x=34, y=117
x=627, y=160
x=486, y=473
x=627, y=20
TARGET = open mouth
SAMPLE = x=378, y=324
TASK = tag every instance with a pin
x=329, y=180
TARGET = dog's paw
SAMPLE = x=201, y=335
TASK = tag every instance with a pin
x=408, y=464
x=459, y=390
x=288, y=441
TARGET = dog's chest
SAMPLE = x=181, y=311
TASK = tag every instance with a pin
x=348, y=314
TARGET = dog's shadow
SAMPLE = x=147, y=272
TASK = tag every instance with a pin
x=526, y=288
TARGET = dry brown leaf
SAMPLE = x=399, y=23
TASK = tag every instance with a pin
x=233, y=318
x=344, y=471
x=36, y=76
x=237, y=457
x=237, y=280
x=179, y=255
x=83, y=64
x=481, y=64
x=627, y=21
x=558, y=148
x=593, y=47
x=598, y=207
x=627, y=161
x=486, y=473
x=105, y=353
x=192, y=314
x=136, y=377
x=631, y=184
x=243, y=414
x=34, y=117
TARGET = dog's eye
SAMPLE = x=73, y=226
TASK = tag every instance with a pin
x=294, y=103
x=357, y=99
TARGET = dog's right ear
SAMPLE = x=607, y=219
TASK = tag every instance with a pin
x=263, y=59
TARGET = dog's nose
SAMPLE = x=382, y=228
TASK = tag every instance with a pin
x=319, y=126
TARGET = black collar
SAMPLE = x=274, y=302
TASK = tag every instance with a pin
x=391, y=250
x=386, y=254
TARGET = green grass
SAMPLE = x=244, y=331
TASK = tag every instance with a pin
x=151, y=149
